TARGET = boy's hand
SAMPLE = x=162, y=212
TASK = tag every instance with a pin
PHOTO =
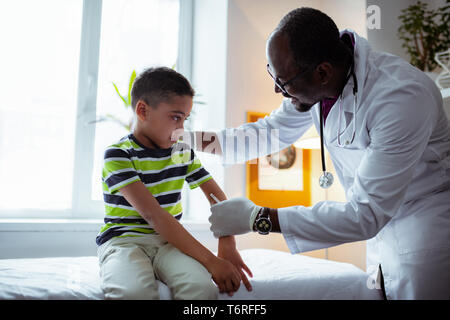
x=228, y=251
x=225, y=275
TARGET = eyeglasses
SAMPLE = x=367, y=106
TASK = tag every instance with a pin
x=282, y=86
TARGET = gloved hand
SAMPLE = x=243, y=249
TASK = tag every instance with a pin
x=234, y=216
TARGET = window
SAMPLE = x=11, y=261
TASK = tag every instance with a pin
x=57, y=68
x=135, y=34
x=38, y=89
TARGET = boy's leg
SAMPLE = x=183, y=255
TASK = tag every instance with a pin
x=126, y=270
x=186, y=278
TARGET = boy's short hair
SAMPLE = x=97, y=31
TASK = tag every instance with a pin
x=155, y=85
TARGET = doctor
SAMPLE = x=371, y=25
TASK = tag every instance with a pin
x=383, y=123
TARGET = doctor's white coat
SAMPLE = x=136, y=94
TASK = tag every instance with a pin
x=396, y=174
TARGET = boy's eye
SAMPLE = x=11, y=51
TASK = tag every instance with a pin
x=176, y=118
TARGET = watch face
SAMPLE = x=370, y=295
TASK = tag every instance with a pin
x=263, y=225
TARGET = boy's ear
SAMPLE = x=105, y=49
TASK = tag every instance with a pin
x=141, y=110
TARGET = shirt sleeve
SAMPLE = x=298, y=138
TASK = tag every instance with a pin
x=268, y=135
x=118, y=169
x=196, y=173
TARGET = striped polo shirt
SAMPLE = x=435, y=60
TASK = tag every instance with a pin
x=163, y=172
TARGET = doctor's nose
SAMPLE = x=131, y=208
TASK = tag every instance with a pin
x=276, y=88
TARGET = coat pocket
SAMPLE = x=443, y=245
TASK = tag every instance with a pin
x=424, y=224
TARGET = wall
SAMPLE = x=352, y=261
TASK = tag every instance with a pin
x=249, y=87
x=386, y=39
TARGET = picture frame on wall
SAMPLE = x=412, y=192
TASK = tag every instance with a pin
x=281, y=179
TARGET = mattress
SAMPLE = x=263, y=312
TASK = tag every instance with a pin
x=276, y=276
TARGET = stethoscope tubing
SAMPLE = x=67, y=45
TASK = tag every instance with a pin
x=326, y=174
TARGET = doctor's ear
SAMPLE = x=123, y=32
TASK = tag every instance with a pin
x=325, y=72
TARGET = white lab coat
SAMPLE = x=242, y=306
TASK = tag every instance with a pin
x=396, y=175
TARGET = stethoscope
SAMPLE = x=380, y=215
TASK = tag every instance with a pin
x=327, y=179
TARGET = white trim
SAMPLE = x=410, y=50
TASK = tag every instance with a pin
x=164, y=180
x=194, y=171
x=199, y=180
x=175, y=165
x=120, y=206
x=120, y=184
x=119, y=171
x=173, y=204
x=86, y=106
x=50, y=225
x=166, y=193
x=35, y=214
x=117, y=159
x=185, y=38
x=185, y=59
x=75, y=225
x=176, y=153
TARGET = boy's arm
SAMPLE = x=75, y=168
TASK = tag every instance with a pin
x=171, y=230
x=211, y=187
x=227, y=245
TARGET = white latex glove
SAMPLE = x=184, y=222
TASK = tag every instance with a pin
x=234, y=216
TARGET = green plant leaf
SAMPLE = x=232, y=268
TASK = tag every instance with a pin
x=130, y=86
x=118, y=93
x=424, y=32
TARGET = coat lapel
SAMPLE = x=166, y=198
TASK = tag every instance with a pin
x=347, y=114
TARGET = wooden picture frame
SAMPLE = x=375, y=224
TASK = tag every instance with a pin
x=277, y=198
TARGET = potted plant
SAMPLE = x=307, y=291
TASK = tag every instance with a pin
x=126, y=99
x=424, y=33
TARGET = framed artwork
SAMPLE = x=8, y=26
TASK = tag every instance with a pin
x=282, y=170
x=281, y=179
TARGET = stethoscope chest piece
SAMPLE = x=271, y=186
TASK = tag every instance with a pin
x=326, y=180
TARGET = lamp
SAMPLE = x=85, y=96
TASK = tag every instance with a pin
x=310, y=140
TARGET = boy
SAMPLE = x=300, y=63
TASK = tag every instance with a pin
x=143, y=176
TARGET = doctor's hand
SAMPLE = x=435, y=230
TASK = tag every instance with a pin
x=233, y=216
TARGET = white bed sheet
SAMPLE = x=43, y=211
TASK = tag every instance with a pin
x=277, y=275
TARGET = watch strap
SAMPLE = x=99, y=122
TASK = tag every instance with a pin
x=255, y=216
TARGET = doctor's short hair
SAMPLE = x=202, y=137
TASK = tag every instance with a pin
x=313, y=37
x=160, y=84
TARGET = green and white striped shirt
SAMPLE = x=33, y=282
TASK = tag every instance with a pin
x=163, y=171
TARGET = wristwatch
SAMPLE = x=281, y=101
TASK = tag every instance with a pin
x=262, y=222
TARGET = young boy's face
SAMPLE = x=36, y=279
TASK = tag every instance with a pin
x=160, y=123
